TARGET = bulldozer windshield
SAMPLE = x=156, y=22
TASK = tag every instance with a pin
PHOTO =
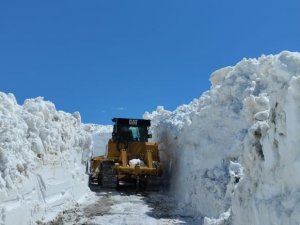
x=131, y=133
x=135, y=133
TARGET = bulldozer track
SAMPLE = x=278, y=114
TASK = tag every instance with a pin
x=107, y=176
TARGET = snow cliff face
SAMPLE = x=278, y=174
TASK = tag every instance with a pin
x=233, y=153
x=101, y=135
x=41, y=159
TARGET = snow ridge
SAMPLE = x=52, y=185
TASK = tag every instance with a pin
x=233, y=152
x=41, y=159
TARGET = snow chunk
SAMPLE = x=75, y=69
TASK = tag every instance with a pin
x=225, y=219
x=134, y=162
x=218, y=76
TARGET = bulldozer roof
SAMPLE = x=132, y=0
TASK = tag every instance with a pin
x=131, y=122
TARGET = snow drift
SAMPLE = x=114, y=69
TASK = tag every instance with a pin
x=41, y=159
x=232, y=155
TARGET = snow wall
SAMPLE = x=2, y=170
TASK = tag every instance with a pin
x=42, y=154
x=232, y=155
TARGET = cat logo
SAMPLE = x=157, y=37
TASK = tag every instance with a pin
x=133, y=122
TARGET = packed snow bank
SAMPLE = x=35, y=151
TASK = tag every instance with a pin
x=41, y=159
x=101, y=135
x=232, y=154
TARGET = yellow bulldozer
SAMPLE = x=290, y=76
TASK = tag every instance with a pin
x=129, y=158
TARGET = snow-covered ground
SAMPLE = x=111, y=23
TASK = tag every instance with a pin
x=124, y=208
x=230, y=156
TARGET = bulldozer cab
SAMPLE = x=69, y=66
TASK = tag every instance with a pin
x=130, y=130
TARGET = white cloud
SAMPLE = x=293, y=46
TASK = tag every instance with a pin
x=121, y=108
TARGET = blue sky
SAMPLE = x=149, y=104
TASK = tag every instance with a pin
x=120, y=58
